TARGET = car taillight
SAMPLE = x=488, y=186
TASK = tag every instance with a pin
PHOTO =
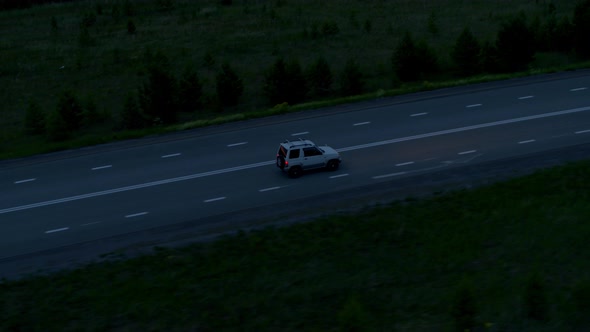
x=286, y=163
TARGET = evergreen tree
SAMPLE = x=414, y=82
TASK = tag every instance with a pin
x=319, y=78
x=296, y=83
x=515, y=45
x=131, y=117
x=351, y=79
x=581, y=28
x=35, y=121
x=275, y=83
x=466, y=53
x=412, y=61
x=157, y=96
x=190, y=90
x=229, y=86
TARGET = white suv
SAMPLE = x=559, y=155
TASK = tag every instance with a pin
x=298, y=156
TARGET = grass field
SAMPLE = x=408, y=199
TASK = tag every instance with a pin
x=45, y=51
x=512, y=256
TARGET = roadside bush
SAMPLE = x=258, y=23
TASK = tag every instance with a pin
x=535, y=299
x=412, y=61
x=157, y=96
x=229, y=86
x=581, y=28
x=466, y=54
x=351, y=79
x=189, y=90
x=35, y=121
x=131, y=28
x=515, y=45
x=353, y=317
x=285, y=82
x=131, y=116
x=66, y=119
x=464, y=309
x=319, y=78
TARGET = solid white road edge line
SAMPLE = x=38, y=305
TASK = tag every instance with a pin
x=271, y=162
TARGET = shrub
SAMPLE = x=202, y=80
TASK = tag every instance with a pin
x=229, y=86
x=189, y=90
x=131, y=27
x=463, y=309
x=35, y=121
x=131, y=116
x=515, y=45
x=581, y=28
x=412, y=61
x=351, y=79
x=157, y=96
x=275, y=83
x=535, y=299
x=70, y=110
x=466, y=53
x=319, y=78
x=353, y=317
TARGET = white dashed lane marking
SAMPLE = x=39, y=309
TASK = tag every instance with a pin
x=388, y=175
x=362, y=123
x=269, y=189
x=90, y=223
x=213, y=199
x=419, y=114
x=236, y=144
x=136, y=215
x=405, y=164
x=473, y=105
x=57, y=230
x=101, y=167
x=578, y=89
x=338, y=176
x=301, y=133
x=24, y=181
x=171, y=155
x=526, y=97
x=583, y=131
x=467, y=152
x=527, y=141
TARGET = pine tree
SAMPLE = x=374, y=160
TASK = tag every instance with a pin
x=466, y=53
x=351, y=79
x=319, y=78
x=229, y=86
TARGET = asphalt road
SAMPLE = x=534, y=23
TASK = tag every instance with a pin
x=71, y=206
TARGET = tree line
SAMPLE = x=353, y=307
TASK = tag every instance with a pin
x=162, y=96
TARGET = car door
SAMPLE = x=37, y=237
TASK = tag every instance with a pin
x=313, y=157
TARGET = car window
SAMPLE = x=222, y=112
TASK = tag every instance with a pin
x=282, y=151
x=313, y=151
x=294, y=154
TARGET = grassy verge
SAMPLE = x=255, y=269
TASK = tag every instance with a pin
x=512, y=256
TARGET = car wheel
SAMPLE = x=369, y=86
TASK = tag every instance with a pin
x=295, y=172
x=332, y=165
